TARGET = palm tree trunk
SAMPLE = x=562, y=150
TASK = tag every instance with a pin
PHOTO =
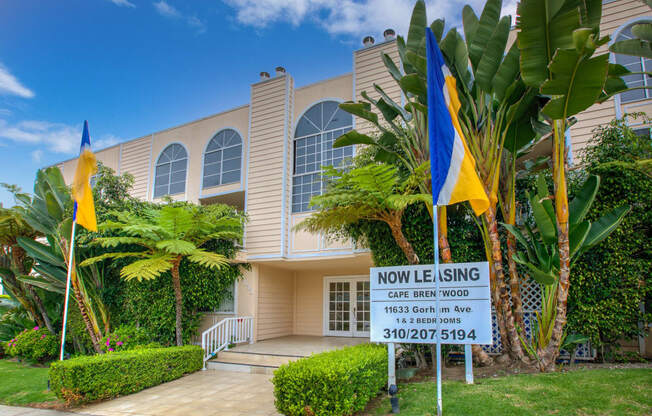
x=551, y=352
x=515, y=284
x=84, y=312
x=395, y=225
x=502, y=296
x=481, y=357
x=41, y=308
x=176, y=280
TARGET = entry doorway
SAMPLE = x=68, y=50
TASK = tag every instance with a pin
x=346, y=306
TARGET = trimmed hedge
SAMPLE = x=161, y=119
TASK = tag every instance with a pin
x=85, y=379
x=332, y=383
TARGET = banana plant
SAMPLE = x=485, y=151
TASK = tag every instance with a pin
x=558, y=40
x=541, y=258
x=49, y=211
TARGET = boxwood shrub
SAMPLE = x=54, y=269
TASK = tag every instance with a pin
x=85, y=379
x=332, y=383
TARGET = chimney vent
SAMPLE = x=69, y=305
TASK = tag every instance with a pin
x=368, y=41
x=280, y=71
x=264, y=76
x=389, y=34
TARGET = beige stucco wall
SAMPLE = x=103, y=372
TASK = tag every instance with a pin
x=269, y=118
x=275, y=314
x=194, y=137
x=309, y=305
x=369, y=68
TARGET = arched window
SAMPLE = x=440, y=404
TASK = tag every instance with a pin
x=313, y=148
x=171, y=168
x=222, y=159
x=634, y=64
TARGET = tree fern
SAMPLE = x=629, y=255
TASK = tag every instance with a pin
x=148, y=268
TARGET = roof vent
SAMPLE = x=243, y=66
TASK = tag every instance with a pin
x=368, y=41
x=280, y=71
x=389, y=34
x=264, y=76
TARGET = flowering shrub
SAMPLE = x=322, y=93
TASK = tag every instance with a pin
x=125, y=337
x=35, y=344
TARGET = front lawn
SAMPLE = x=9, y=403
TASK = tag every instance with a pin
x=581, y=392
x=21, y=384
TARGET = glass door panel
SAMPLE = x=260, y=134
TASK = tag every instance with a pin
x=339, y=308
x=362, y=308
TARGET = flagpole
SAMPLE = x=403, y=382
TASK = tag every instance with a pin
x=70, y=264
x=435, y=222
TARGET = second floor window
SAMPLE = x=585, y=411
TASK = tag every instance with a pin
x=222, y=159
x=316, y=131
x=170, y=174
x=634, y=64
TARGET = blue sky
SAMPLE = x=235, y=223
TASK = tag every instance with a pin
x=133, y=67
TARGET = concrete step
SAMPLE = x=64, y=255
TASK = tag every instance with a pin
x=248, y=362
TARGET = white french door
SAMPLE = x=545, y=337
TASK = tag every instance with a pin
x=346, y=306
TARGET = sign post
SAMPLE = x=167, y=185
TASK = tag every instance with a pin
x=410, y=305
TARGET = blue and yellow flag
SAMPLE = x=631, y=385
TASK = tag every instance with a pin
x=81, y=186
x=454, y=178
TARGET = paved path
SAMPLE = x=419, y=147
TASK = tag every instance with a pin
x=204, y=393
x=29, y=411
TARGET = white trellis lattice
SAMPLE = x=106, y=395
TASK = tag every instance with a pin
x=531, y=298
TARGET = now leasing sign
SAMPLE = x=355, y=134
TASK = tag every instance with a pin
x=403, y=304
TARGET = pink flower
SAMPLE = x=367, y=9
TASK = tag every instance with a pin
x=42, y=336
x=111, y=349
x=108, y=342
x=36, y=328
x=119, y=343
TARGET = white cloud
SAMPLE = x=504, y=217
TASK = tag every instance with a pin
x=123, y=3
x=10, y=85
x=52, y=137
x=37, y=155
x=350, y=17
x=167, y=10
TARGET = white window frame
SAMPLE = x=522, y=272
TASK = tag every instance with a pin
x=185, y=180
x=221, y=162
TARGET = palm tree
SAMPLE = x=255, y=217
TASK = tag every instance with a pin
x=372, y=192
x=166, y=237
x=15, y=264
x=558, y=40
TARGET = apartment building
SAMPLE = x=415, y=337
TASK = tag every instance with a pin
x=264, y=158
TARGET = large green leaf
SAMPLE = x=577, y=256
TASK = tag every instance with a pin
x=208, y=259
x=418, y=22
x=391, y=67
x=541, y=276
x=413, y=84
x=546, y=227
x=406, y=116
x=604, y=226
x=577, y=237
x=633, y=47
x=52, y=272
x=581, y=203
x=148, y=268
x=507, y=72
x=485, y=28
x=353, y=137
x=543, y=30
x=643, y=31
x=454, y=49
x=40, y=252
x=362, y=110
x=176, y=246
x=493, y=55
x=437, y=27
x=577, y=83
x=470, y=22
x=47, y=284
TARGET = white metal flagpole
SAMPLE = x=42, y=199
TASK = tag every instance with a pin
x=435, y=221
x=70, y=264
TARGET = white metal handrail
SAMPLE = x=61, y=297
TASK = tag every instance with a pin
x=227, y=332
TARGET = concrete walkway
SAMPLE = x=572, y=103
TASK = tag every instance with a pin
x=204, y=393
x=29, y=411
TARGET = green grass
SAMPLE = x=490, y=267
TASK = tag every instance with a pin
x=582, y=392
x=21, y=384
